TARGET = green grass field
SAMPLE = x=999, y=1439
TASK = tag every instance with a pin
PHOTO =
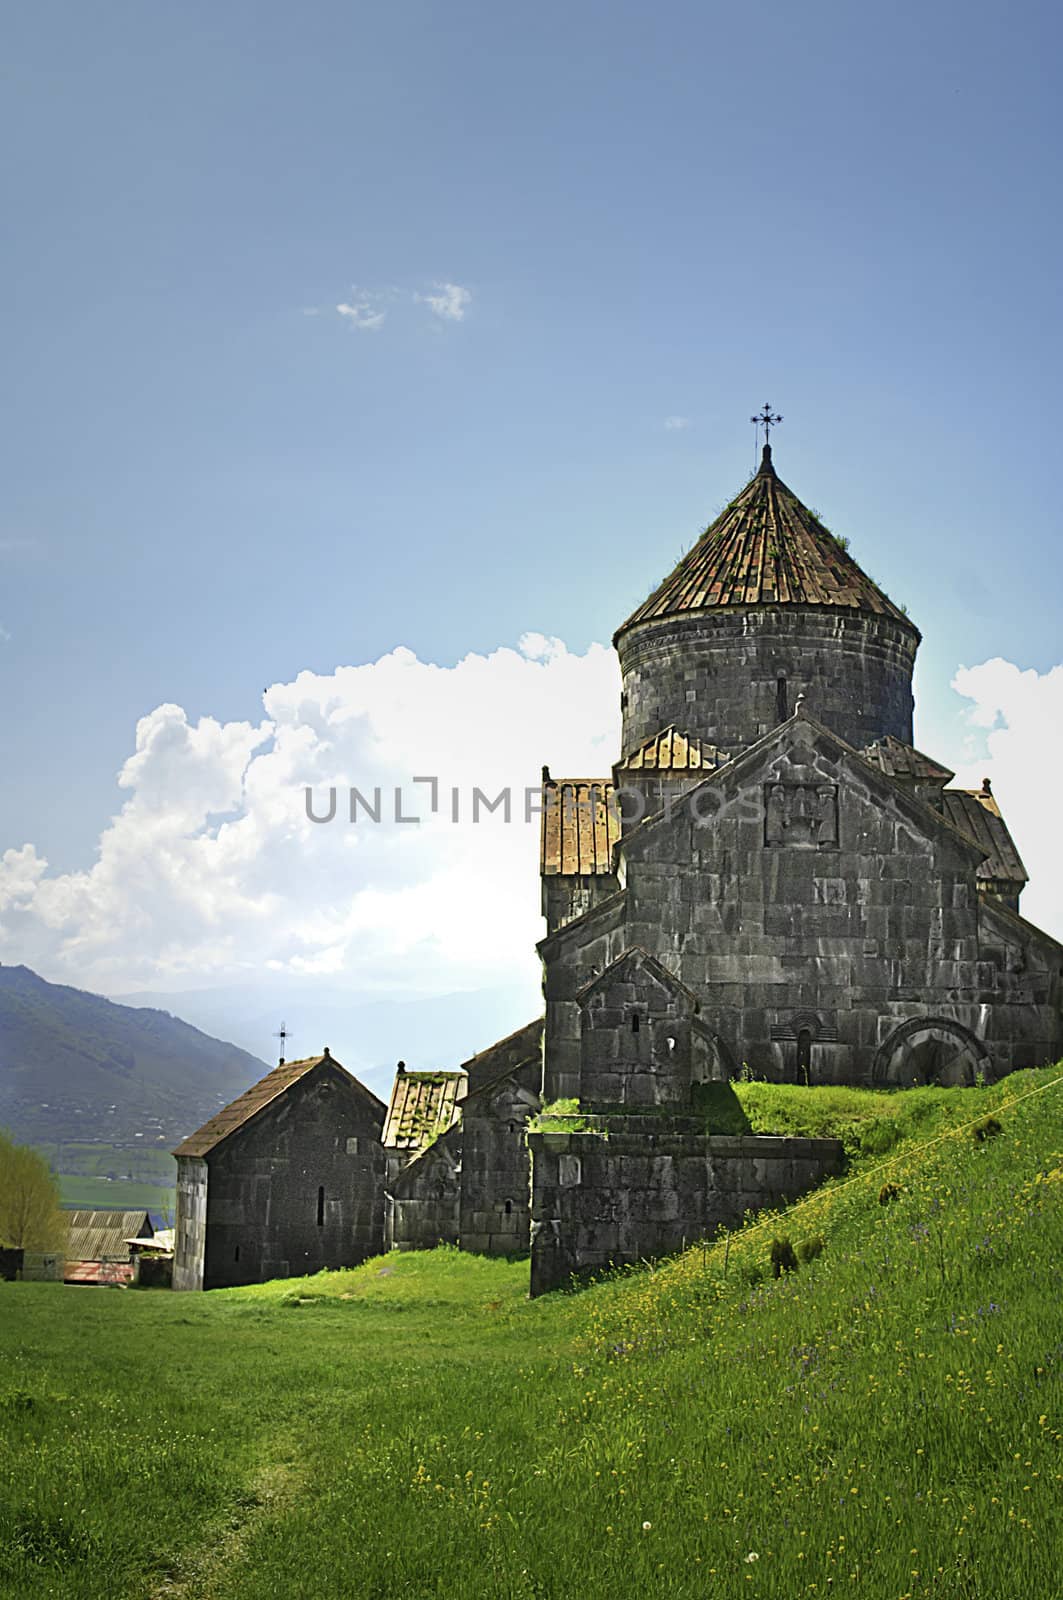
x=116, y=1195
x=884, y=1422
x=137, y=1163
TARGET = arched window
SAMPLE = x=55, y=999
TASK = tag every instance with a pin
x=804, y=1055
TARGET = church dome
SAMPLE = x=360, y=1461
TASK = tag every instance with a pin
x=767, y=605
x=766, y=548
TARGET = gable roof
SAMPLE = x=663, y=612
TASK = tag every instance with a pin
x=896, y=759
x=635, y=955
x=976, y=813
x=240, y=1111
x=766, y=548
x=525, y=1076
x=94, y=1235
x=672, y=751
x=718, y=782
x=991, y=909
x=422, y=1105
x=580, y=825
x=499, y=1058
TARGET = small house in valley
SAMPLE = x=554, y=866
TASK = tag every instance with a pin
x=99, y=1245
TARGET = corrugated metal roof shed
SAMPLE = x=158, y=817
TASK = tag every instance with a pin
x=766, y=548
x=102, y=1235
x=423, y=1105
x=976, y=813
x=580, y=825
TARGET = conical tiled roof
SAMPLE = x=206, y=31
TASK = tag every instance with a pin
x=766, y=549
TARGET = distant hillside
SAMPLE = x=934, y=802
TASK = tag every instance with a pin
x=74, y=1066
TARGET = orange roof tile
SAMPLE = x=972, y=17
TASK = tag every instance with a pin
x=672, y=751
x=580, y=825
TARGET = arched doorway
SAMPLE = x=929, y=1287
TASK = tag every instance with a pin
x=930, y=1050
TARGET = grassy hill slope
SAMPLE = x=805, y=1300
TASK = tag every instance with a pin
x=883, y=1422
x=77, y=1067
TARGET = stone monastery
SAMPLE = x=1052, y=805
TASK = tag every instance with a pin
x=772, y=878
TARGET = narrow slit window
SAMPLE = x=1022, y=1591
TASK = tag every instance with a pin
x=236, y=1253
x=635, y=1023
x=509, y=1208
x=321, y=1207
x=782, y=700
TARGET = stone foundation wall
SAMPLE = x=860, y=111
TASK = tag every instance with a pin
x=629, y=1191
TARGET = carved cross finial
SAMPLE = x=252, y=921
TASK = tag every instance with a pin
x=767, y=420
x=283, y=1037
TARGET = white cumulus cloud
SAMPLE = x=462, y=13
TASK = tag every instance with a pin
x=212, y=870
x=450, y=301
x=1021, y=713
x=362, y=314
x=676, y=424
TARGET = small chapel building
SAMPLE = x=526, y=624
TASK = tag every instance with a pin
x=284, y=1181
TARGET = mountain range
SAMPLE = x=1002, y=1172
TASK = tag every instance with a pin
x=74, y=1066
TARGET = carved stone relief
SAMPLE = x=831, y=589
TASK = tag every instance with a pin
x=801, y=814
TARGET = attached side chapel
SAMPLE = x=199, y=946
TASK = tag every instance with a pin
x=771, y=876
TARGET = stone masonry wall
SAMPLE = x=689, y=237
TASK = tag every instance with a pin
x=495, y=1213
x=300, y=1187
x=472, y=1187
x=190, y=1237
x=717, y=674
x=424, y=1198
x=818, y=913
x=641, y=1192
x=635, y=1037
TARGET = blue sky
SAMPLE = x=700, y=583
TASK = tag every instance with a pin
x=214, y=479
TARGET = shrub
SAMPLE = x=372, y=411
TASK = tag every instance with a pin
x=986, y=1130
x=783, y=1258
x=809, y=1249
x=888, y=1193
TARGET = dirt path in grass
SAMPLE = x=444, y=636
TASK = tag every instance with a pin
x=196, y=1574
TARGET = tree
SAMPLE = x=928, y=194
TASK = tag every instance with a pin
x=30, y=1214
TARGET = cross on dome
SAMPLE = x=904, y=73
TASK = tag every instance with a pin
x=767, y=420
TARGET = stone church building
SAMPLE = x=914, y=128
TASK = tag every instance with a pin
x=285, y=1180
x=771, y=878
x=770, y=835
